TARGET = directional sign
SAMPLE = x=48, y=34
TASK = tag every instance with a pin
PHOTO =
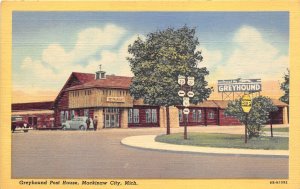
x=186, y=101
x=191, y=81
x=190, y=94
x=186, y=111
x=181, y=93
x=246, y=103
x=181, y=80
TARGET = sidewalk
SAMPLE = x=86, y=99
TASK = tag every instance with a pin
x=148, y=142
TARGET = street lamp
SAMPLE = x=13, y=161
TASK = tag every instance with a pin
x=186, y=84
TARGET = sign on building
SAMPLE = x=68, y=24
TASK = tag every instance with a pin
x=239, y=85
x=115, y=99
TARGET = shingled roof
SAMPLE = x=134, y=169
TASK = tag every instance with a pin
x=111, y=81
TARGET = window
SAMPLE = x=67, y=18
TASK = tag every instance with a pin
x=66, y=115
x=130, y=116
x=86, y=112
x=199, y=115
x=72, y=114
x=194, y=115
x=211, y=115
x=136, y=117
x=180, y=116
x=154, y=116
x=148, y=115
x=62, y=116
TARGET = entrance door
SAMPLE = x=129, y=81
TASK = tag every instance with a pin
x=111, y=117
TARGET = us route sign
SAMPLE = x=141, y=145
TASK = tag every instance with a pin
x=246, y=103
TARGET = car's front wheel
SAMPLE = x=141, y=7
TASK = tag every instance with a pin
x=63, y=127
x=82, y=128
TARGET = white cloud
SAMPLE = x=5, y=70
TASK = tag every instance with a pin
x=88, y=43
x=211, y=58
x=252, y=57
x=115, y=62
x=56, y=63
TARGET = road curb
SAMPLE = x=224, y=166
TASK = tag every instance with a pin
x=148, y=142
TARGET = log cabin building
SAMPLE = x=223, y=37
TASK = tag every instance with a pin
x=107, y=98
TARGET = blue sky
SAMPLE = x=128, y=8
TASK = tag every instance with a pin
x=48, y=46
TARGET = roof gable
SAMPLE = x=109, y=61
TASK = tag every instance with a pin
x=76, y=78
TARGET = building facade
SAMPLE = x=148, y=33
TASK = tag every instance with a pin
x=107, y=99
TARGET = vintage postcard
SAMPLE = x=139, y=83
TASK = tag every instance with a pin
x=138, y=94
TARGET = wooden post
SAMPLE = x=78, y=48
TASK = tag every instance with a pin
x=246, y=125
x=271, y=123
x=168, y=120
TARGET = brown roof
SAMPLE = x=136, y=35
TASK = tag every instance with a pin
x=207, y=104
x=111, y=81
x=221, y=103
x=32, y=106
x=84, y=77
x=279, y=103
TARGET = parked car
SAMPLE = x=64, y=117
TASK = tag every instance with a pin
x=18, y=123
x=77, y=123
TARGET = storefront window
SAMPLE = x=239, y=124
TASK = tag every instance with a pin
x=211, y=115
x=130, y=116
x=154, y=116
x=194, y=116
x=199, y=115
x=72, y=114
x=62, y=116
x=86, y=112
x=66, y=115
x=148, y=115
x=180, y=116
x=136, y=116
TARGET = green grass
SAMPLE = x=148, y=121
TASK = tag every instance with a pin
x=226, y=141
x=283, y=129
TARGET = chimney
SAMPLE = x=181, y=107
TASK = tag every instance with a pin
x=100, y=74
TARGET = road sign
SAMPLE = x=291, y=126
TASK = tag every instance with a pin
x=246, y=103
x=190, y=94
x=191, y=81
x=181, y=93
x=186, y=101
x=181, y=80
x=186, y=111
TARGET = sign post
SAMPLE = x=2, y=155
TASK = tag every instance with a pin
x=186, y=94
x=246, y=104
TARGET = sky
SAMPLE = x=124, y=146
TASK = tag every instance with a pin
x=49, y=46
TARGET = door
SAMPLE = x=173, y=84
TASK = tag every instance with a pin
x=112, y=118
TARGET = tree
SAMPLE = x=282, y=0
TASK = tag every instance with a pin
x=156, y=63
x=285, y=86
x=258, y=115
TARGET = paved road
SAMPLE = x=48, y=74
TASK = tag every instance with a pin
x=80, y=154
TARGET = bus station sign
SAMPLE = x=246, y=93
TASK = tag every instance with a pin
x=239, y=85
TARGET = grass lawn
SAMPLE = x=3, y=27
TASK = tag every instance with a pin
x=284, y=129
x=225, y=141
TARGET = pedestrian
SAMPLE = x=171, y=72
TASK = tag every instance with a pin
x=95, y=122
x=88, y=122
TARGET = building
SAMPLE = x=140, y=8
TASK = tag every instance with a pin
x=39, y=115
x=107, y=98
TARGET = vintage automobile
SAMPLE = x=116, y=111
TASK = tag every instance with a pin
x=19, y=124
x=77, y=123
